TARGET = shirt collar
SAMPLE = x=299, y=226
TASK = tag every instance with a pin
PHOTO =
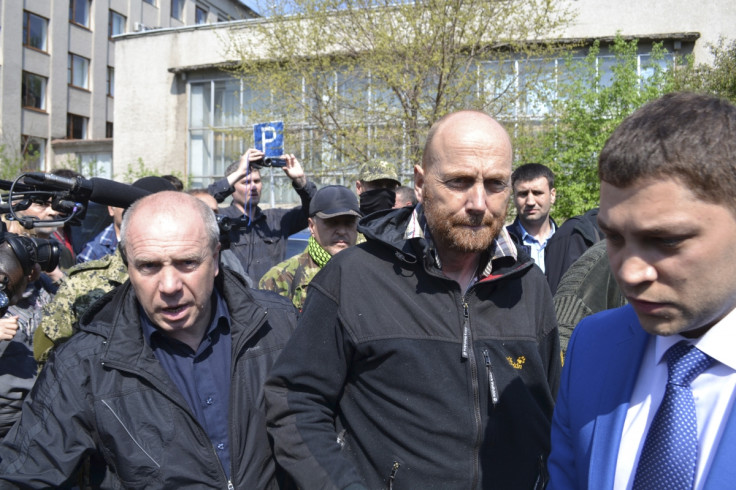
x=525, y=234
x=717, y=342
x=221, y=313
x=502, y=245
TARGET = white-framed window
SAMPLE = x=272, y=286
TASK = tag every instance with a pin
x=78, y=75
x=33, y=91
x=34, y=31
x=116, y=24
x=96, y=164
x=79, y=12
x=33, y=150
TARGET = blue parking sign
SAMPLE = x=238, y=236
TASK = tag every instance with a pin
x=269, y=138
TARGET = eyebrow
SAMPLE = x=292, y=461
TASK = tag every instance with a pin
x=656, y=229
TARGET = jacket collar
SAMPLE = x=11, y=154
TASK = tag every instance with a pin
x=115, y=317
x=406, y=232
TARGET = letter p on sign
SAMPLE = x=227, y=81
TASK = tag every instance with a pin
x=269, y=138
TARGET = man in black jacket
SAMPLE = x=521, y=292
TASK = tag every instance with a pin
x=534, y=193
x=164, y=381
x=428, y=356
x=260, y=240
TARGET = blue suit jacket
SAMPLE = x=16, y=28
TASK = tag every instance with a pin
x=602, y=365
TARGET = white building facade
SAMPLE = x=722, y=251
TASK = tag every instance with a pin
x=58, y=72
x=178, y=109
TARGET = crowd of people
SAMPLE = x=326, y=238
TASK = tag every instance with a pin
x=418, y=341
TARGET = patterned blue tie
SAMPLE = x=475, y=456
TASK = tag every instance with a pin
x=671, y=448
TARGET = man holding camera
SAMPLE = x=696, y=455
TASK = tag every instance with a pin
x=261, y=242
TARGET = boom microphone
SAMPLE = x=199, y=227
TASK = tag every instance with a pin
x=96, y=189
x=115, y=194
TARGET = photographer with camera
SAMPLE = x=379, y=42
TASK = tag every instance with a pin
x=260, y=241
x=24, y=290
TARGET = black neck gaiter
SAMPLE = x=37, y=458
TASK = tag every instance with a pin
x=376, y=200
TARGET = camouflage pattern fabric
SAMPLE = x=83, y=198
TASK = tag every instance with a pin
x=291, y=277
x=84, y=284
x=378, y=170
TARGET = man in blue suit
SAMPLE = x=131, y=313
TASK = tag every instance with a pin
x=668, y=210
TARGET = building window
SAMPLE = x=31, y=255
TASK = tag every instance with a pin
x=34, y=152
x=111, y=81
x=116, y=24
x=79, y=12
x=34, y=31
x=152, y=2
x=108, y=130
x=78, y=71
x=76, y=127
x=200, y=15
x=33, y=91
x=177, y=9
x=216, y=110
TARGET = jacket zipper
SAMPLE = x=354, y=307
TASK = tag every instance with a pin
x=467, y=353
x=466, y=331
x=392, y=476
x=492, y=388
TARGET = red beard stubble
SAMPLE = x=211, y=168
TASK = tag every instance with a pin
x=450, y=230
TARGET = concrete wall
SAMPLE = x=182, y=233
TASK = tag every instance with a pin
x=151, y=109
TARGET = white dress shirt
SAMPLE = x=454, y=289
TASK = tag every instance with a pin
x=537, y=247
x=713, y=391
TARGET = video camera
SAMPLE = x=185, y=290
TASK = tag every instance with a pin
x=18, y=254
x=230, y=228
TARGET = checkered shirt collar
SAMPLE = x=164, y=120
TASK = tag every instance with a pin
x=502, y=245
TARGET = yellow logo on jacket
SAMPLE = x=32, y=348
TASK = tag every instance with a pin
x=519, y=362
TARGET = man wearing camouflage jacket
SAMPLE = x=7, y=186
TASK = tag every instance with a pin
x=85, y=283
x=333, y=222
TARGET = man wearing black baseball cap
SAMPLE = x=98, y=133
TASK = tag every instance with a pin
x=333, y=222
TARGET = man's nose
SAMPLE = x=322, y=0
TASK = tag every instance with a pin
x=476, y=199
x=169, y=280
x=633, y=269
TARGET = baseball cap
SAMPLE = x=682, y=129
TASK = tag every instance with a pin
x=334, y=200
x=378, y=170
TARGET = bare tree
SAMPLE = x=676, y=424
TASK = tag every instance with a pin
x=357, y=79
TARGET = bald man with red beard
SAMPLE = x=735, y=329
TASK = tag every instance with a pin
x=430, y=352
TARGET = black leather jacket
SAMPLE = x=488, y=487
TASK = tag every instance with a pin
x=104, y=393
x=262, y=243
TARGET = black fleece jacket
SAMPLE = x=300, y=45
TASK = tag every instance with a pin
x=375, y=390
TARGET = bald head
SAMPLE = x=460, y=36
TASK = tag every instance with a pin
x=176, y=207
x=463, y=184
x=468, y=129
